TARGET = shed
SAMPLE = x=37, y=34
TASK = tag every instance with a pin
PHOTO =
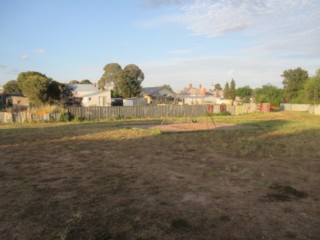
x=130, y=102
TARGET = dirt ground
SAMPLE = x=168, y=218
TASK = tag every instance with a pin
x=191, y=126
x=109, y=181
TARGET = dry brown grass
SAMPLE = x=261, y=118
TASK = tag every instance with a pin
x=111, y=181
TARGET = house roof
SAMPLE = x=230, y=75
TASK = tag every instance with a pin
x=83, y=87
x=150, y=90
x=154, y=91
x=95, y=93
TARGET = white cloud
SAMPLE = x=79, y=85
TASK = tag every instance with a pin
x=232, y=73
x=25, y=56
x=40, y=51
x=289, y=26
x=275, y=36
x=217, y=17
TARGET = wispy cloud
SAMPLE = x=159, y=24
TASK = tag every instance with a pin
x=291, y=26
x=181, y=51
x=24, y=56
x=217, y=17
x=40, y=51
x=157, y=3
x=8, y=70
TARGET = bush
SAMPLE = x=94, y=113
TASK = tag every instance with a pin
x=66, y=117
x=223, y=113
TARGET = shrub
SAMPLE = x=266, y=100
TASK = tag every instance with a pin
x=66, y=117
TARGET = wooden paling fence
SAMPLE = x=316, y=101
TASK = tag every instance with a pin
x=149, y=111
x=164, y=111
x=24, y=117
x=137, y=111
x=312, y=109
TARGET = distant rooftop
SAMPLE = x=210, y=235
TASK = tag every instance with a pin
x=83, y=87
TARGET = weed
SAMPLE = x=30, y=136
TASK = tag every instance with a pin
x=285, y=193
x=64, y=233
x=179, y=224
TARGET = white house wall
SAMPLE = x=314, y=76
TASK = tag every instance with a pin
x=97, y=99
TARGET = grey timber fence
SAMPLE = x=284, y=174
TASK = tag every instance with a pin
x=312, y=109
x=137, y=111
x=149, y=111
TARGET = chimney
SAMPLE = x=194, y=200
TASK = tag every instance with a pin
x=217, y=92
x=190, y=86
x=200, y=86
x=204, y=91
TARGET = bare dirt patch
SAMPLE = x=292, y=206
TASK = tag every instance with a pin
x=193, y=126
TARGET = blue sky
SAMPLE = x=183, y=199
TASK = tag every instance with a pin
x=174, y=42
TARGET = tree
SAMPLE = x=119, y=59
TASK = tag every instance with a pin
x=85, y=81
x=112, y=74
x=126, y=82
x=293, y=83
x=232, y=89
x=312, y=89
x=11, y=87
x=226, y=91
x=68, y=98
x=269, y=94
x=54, y=92
x=217, y=86
x=244, y=93
x=130, y=83
x=34, y=85
x=74, y=82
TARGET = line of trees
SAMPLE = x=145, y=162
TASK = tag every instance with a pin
x=298, y=87
x=41, y=89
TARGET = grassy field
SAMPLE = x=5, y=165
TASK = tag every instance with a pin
x=108, y=180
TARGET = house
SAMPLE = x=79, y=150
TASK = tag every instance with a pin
x=159, y=95
x=200, y=96
x=196, y=96
x=90, y=95
x=18, y=102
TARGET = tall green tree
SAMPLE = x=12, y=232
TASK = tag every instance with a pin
x=12, y=87
x=68, y=98
x=113, y=74
x=130, y=83
x=217, y=86
x=244, y=93
x=126, y=82
x=312, y=89
x=269, y=94
x=226, y=91
x=232, y=89
x=293, y=83
x=34, y=85
x=54, y=91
